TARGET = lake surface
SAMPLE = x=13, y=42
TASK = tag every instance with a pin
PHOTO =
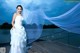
x=53, y=34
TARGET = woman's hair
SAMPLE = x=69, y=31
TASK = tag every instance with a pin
x=19, y=6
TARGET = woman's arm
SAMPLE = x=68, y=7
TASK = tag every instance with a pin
x=13, y=20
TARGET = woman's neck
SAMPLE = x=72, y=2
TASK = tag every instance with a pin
x=18, y=13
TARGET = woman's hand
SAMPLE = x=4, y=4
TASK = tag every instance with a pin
x=13, y=27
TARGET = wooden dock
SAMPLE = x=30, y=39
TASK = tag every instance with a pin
x=46, y=47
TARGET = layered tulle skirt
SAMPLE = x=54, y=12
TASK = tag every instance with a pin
x=18, y=40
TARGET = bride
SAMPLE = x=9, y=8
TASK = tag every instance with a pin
x=18, y=35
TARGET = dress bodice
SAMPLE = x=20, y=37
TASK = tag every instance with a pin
x=18, y=37
x=18, y=21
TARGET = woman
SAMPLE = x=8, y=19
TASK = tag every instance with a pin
x=18, y=34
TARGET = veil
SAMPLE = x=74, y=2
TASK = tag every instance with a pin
x=69, y=21
x=33, y=23
x=35, y=17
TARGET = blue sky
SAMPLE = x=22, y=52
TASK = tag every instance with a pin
x=51, y=8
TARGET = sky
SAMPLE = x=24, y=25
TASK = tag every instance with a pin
x=51, y=8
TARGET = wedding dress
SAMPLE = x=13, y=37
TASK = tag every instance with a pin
x=18, y=37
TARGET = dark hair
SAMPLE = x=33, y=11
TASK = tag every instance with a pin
x=19, y=6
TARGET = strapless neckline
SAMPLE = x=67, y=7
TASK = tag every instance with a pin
x=19, y=16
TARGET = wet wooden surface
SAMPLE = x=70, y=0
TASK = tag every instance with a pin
x=46, y=47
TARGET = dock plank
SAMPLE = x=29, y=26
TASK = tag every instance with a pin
x=46, y=47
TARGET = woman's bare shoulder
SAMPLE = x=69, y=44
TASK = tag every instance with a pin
x=14, y=14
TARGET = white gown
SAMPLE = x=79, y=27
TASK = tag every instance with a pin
x=18, y=37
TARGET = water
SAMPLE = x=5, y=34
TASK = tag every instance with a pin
x=55, y=34
x=61, y=35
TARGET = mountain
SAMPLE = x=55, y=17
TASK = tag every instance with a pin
x=6, y=25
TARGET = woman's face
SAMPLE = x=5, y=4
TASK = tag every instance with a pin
x=19, y=10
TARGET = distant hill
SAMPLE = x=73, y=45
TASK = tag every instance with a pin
x=5, y=26
x=50, y=26
x=8, y=26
